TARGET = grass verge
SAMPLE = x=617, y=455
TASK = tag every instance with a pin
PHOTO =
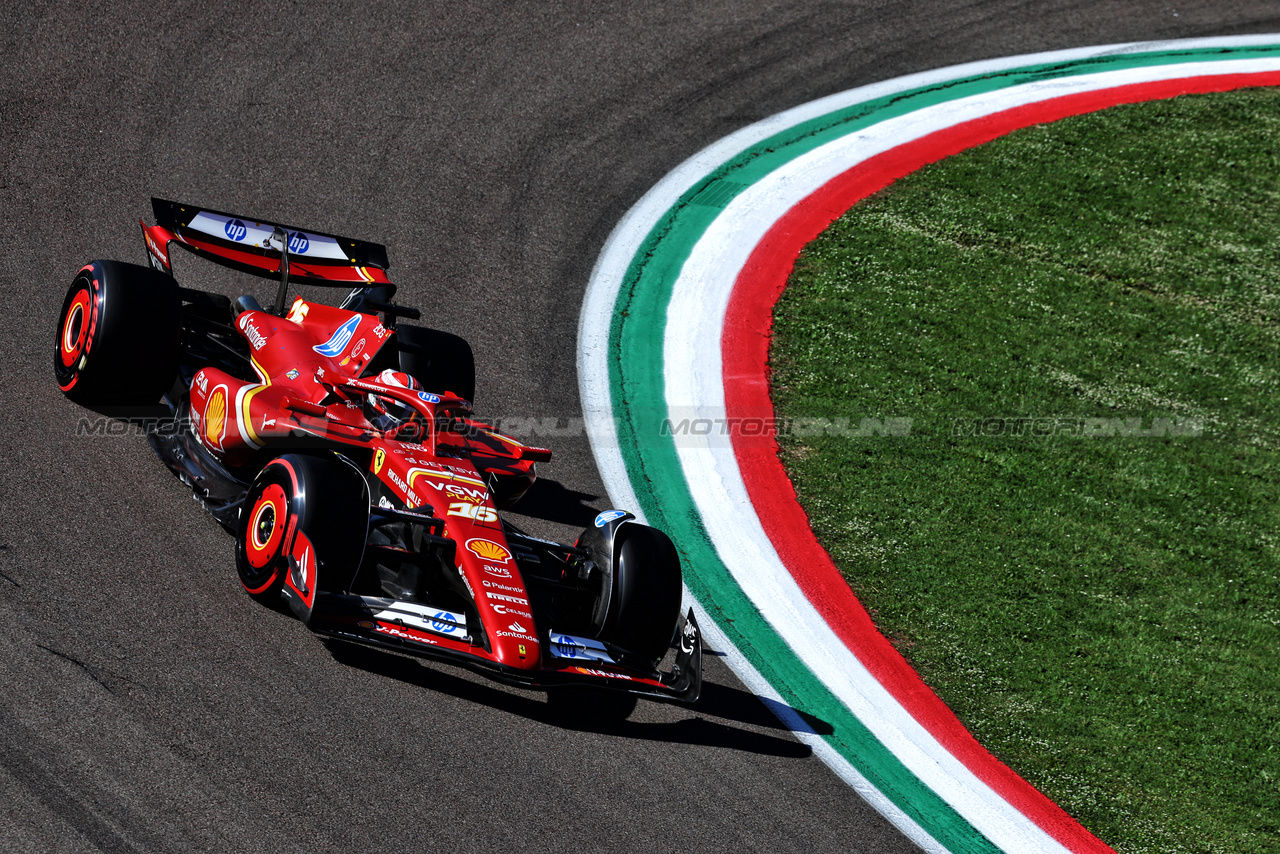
x=1077, y=545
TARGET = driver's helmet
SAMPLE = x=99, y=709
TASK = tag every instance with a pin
x=386, y=413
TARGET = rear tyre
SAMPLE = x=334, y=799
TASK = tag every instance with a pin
x=645, y=604
x=440, y=361
x=319, y=497
x=117, y=336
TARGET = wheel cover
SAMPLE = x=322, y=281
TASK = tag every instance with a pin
x=75, y=328
x=263, y=536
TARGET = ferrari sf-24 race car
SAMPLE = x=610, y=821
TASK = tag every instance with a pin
x=340, y=449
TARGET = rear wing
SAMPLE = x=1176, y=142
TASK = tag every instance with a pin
x=252, y=246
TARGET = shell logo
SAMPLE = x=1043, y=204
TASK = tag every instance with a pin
x=215, y=417
x=488, y=550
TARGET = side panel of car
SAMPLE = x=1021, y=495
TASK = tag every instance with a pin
x=281, y=349
x=226, y=413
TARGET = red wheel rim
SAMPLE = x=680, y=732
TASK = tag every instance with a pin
x=266, y=526
x=75, y=328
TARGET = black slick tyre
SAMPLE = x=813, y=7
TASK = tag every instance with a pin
x=118, y=335
x=645, y=605
x=295, y=495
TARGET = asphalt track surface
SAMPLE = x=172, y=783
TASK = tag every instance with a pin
x=146, y=703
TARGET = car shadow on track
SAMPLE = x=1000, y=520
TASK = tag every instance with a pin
x=598, y=712
x=552, y=501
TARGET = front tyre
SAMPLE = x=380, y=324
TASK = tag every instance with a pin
x=302, y=530
x=261, y=556
x=118, y=335
x=647, y=590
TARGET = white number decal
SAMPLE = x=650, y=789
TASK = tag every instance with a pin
x=472, y=511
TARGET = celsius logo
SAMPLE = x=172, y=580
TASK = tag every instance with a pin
x=298, y=242
x=235, y=229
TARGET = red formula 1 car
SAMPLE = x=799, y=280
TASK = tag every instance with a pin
x=340, y=449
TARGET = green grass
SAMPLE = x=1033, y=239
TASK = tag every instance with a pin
x=1102, y=612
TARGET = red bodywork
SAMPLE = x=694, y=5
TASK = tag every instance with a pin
x=440, y=469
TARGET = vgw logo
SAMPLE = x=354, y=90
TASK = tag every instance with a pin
x=235, y=229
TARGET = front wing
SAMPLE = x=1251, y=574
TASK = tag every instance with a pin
x=350, y=618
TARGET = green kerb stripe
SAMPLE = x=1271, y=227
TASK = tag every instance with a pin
x=636, y=339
